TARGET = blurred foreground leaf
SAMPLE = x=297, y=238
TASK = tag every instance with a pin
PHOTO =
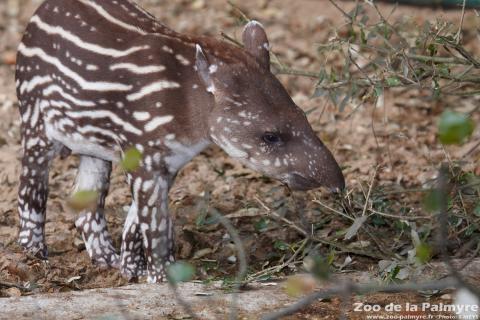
x=83, y=199
x=423, y=253
x=299, y=285
x=180, y=272
x=454, y=127
x=433, y=200
x=131, y=159
x=318, y=266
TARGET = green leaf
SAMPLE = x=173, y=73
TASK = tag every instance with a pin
x=352, y=35
x=454, y=127
x=378, y=91
x=331, y=257
x=131, y=159
x=201, y=218
x=432, y=49
x=180, y=272
x=423, y=253
x=401, y=226
x=443, y=69
x=393, y=273
x=363, y=37
x=280, y=245
x=471, y=229
x=378, y=220
x=212, y=219
x=261, y=225
x=476, y=211
x=419, y=72
x=393, y=81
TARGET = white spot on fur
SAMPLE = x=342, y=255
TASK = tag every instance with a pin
x=157, y=122
x=182, y=59
x=141, y=115
x=212, y=68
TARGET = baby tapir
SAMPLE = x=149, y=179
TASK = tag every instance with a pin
x=97, y=77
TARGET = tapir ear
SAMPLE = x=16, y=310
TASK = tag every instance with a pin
x=204, y=69
x=256, y=43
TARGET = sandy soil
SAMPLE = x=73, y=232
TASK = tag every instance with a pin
x=404, y=147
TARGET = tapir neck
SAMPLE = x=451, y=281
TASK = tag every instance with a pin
x=194, y=105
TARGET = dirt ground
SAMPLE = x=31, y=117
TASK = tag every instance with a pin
x=404, y=149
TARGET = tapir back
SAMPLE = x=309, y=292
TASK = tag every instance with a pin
x=112, y=68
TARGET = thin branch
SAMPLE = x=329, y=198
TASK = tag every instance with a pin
x=442, y=236
x=459, y=32
x=333, y=210
x=443, y=60
x=469, y=152
x=242, y=270
x=239, y=11
x=394, y=216
x=369, y=190
x=231, y=39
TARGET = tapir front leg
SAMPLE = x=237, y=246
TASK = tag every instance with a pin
x=132, y=257
x=150, y=194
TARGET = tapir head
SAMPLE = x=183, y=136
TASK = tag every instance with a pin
x=255, y=120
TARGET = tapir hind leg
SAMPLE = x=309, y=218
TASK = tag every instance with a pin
x=38, y=152
x=94, y=175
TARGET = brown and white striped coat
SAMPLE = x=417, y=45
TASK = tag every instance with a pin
x=96, y=77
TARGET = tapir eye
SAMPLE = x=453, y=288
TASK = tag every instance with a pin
x=271, y=137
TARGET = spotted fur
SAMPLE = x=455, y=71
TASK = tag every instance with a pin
x=96, y=77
